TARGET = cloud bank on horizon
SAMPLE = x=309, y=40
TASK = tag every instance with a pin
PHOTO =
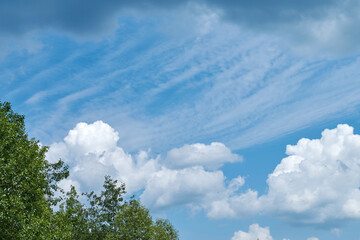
x=318, y=183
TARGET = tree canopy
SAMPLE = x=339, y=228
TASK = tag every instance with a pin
x=28, y=183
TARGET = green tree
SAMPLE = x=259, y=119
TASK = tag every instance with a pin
x=74, y=216
x=27, y=196
x=27, y=181
x=103, y=208
x=164, y=230
x=134, y=222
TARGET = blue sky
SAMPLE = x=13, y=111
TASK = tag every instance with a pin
x=195, y=106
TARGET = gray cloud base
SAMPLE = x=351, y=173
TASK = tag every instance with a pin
x=331, y=25
x=80, y=17
x=87, y=16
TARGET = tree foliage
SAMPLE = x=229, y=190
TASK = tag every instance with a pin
x=27, y=181
x=103, y=208
x=27, y=197
x=74, y=216
x=135, y=222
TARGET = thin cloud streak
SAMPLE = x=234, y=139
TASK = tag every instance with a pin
x=160, y=92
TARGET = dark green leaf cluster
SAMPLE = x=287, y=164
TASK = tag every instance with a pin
x=27, y=197
x=107, y=216
x=27, y=181
x=135, y=222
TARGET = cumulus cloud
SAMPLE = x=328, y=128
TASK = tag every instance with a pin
x=186, y=186
x=66, y=184
x=312, y=238
x=317, y=183
x=91, y=151
x=95, y=138
x=210, y=156
x=255, y=233
x=232, y=205
x=319, y=180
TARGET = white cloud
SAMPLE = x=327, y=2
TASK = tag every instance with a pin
x=66, y=184
x=317, y=183
x=94, y=138
x=91, y=151
x=231, y=205
x=210, y=156
x=186, y=186
x=312, y=238
x=255, y=233
x=320, y=179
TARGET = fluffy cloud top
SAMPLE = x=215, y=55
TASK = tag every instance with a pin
x=320, y=179
x=317, y=183
x=258, y=233
x=91, y=150
x=210, y=156
x=186, y=186
x=94, y=138
x=255, y=233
